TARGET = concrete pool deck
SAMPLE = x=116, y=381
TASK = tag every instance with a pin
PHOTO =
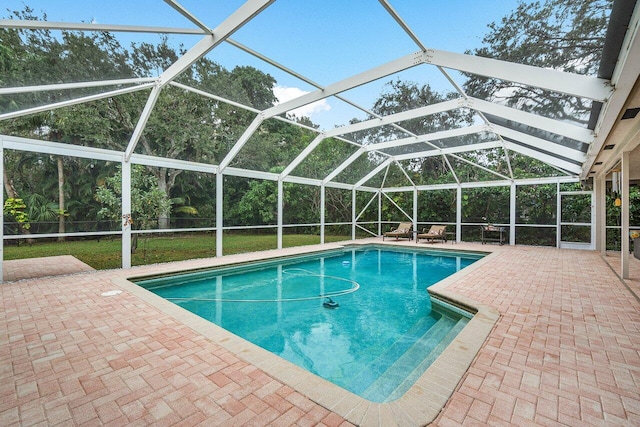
x=565, y=350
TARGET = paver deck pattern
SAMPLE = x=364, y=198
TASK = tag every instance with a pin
x=20, y=269
x=565, y=351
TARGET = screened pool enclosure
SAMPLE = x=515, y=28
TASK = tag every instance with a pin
x=316, y=117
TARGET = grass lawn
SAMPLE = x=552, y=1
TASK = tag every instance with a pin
x=106, y=253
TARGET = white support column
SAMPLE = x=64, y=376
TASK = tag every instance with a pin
x=127, y=218
x=624, y=233
x=280, y=205
x=415, y=209
x=219, y=213
x=353, y=214
x=1, y=211
x=599, y=186
x=458, y=213
x=558, y=215
x=512, y=214
x=379, y=212
x=322, y=212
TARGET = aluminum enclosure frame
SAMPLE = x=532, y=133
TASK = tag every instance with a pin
x=569, y=161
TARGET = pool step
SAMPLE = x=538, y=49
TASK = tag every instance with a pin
x=371, y=372
x=401, y=375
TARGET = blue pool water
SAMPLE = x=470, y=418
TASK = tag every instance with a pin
x=383, y=335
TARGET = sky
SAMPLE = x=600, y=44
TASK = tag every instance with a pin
x=324, y=40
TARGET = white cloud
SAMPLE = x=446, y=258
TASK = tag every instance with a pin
x=284, y=94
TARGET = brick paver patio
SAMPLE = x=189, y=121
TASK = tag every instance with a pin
x=565, y=351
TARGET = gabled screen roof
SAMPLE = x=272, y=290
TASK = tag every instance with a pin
x=330, y=62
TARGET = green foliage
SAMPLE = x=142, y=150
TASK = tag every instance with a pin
x=437, y=206
x=338, y=205
x=274, y=145
x=565, y=35
x=147, y=201
x=16, y=208
x=389, y=210
x=328, y=155
x=486, y=205
x=536, y=204
x=258, y=205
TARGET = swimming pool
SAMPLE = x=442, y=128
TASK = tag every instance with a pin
x=383, y=335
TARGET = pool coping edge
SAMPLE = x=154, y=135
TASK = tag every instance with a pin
x=420, y=405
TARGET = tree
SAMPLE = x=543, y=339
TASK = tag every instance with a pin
x=147, y=200
x=301, y=203
x=405, y=95
x=182, y=126
x=565, y=35
x=37, y=57
x=187, y=126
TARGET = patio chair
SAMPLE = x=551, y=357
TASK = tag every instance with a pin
x=436, y=232
x=403, y=230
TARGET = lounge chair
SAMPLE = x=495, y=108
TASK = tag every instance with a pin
x=436, y=232
x=402, y=230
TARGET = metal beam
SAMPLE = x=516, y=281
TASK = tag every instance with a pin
x=484, y=168
x=19, y=24
x=343, y=186
x=307, y=150
x=219, y=214
x=461, y=91
x=303, y=181
x=402, y=24
x=75, y=101
x=255, y=124
x=546, y=180
x=501, y=183
x=624, y=214
x=162, y=162
x=234, y=22
x=451, y=150
x=304, y=79
x=142, y=121
x=450, y=133
x=352, y=158
x=545, y=158
x=185, y=61
x=404, y=172
x=58, y=149
x=244, y=107
x=246, y=173
x=544, y=78
x=398, y=117
x=280, y=207
x=127, y=217
x=376, y=73
x=554, y=126
x=77, y=85
x=84, y=152
x=373, y=173
x=184, y=12
x=540, y=143
x=214, y=97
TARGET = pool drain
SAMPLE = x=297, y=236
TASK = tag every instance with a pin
x=111, y=293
